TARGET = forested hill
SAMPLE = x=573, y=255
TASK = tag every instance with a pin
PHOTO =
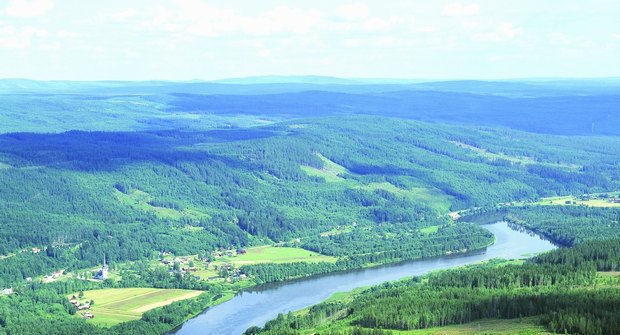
x=566, y=107
x=336, y=183
x=561, y=289
x=361, y=174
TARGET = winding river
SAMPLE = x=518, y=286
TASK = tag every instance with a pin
x=256, y=306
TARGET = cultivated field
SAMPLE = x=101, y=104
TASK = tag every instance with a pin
x=113, y=306
x=269, y=254
x=575, y=201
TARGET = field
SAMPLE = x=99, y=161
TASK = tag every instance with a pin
x=432, y=197
x=575, y=201
x=513, y=159
x=331, y=171
x=140, y=200
x=269, y=254
x=113, y=306
x=429, y=230
x=256, y=255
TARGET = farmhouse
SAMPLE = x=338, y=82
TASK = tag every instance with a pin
x=89, y=316
x=7, y=291
x=85, y=306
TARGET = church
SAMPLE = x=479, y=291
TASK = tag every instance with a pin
x=102, y=274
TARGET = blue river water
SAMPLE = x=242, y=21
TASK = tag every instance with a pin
x=256, y=306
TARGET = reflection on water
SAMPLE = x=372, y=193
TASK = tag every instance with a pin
x=258, y=305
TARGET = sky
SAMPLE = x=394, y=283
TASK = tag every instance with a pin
x=205, y=39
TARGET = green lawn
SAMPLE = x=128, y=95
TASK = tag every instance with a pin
x=140, y=200
x=574, y=201
x=429, y=230
x=113, y=306
x=270, y=254
x=330, y=171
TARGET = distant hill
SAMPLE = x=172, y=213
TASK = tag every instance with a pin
x=321, y=80
x=568, y=107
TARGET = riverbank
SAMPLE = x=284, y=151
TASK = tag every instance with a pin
x=256, y=306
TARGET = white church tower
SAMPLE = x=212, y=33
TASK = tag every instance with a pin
x=103, y=273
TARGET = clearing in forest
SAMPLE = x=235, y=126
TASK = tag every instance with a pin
x=269, y=254
x=116, y=305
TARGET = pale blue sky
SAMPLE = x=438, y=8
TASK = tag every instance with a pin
x=204, y=39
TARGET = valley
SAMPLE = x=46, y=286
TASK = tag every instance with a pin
x=221, y=210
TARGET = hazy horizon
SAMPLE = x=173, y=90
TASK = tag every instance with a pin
x=180, y=40
x=360, y=80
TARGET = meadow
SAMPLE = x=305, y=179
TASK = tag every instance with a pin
x=113, y=306
x=571, y=200
x=270, y=254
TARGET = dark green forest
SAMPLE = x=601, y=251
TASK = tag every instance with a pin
x=74, y=194
x=559, y=286
x=368, y=176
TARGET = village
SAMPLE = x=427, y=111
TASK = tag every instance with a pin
x=220, y=266
x=215, y=266
x=82, y=306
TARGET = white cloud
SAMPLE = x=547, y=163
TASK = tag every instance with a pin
x=283, y=19
x=504, y=32
x=124, y=15
x=456, y=9
x=617, y=36
x=428, y=29
x=355, y=11
x=200, y=19
x=380, y=25
x=67, y=34
x=471, y=24
x=12, y=37
x=28, y=8
x=559, y=38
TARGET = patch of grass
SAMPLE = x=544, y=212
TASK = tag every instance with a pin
x=331, y=171
x=522, y=160
x=432, y=197
x=429, y=230
x=608, y=278
x=575, y=201
x=338, y=230
x=140, y=200
x=270, y=254
x=113, y=306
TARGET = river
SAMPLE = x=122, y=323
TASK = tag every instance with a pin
x=256, y=306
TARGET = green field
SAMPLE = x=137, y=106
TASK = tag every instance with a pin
x=575, y=201
x=140, y=200
x=331, y=171
x=113, y=306
x=432, y=197
x=522, y=160
x=429, y=230
x=270, y=254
